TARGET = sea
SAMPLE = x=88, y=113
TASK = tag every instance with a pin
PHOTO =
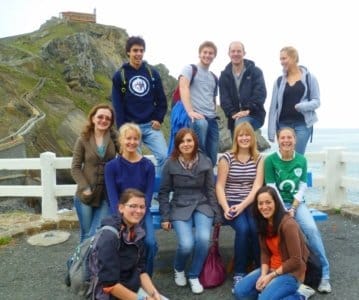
x=346, y=138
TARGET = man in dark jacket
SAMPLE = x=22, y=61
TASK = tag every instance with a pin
x=242, y=90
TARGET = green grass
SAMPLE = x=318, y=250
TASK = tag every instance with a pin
x=5, y=240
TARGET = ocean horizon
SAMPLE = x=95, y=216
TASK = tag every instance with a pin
x=346, y=138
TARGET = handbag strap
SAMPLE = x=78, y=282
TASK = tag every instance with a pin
x=215, y=235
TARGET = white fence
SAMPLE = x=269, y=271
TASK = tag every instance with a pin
x=332, y=180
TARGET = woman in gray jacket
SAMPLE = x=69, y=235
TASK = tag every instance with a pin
x=295, y=98
x=188, y=173
x=94, y=147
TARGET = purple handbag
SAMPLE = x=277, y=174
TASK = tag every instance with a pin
x=213, y=272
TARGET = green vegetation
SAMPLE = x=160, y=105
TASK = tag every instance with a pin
x=5, y=240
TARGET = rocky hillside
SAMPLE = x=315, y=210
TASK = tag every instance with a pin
x=50, y=78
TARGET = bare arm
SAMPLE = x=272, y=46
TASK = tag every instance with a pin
x=222, y=174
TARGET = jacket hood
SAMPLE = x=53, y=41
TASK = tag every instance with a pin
x=114, y=221
x=302, y=68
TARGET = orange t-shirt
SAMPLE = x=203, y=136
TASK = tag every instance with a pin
x=273, y=246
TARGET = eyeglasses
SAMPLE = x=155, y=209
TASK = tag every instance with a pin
x=136, y=206
x=102, y=117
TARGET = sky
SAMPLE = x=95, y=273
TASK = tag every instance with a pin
x=325, y=33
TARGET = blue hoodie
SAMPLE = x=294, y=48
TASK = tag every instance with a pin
x=143, y=100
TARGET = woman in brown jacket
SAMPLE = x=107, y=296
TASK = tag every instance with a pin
x=94, y=147
x=283, y=252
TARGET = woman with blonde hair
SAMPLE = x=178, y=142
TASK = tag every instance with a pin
x=130, y=169
x=92, y=150
x=295, y=98
x=240, y=175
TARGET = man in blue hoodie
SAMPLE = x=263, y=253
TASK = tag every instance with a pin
x=138, y=96
x=242, y=90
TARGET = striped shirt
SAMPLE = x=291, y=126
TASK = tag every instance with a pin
x=240, y=178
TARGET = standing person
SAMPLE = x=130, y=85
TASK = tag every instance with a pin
x=286, y=171
x=283, y=252
x=121, y=261
x=242, y=90
x=188, y=173
x=132, y=170
x=93, y=148
x=295, y=98
x=239, y=176
x=199, y=100
x=138, y=96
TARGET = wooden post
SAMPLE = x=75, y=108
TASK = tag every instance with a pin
x=334, y=193
x=48, y=183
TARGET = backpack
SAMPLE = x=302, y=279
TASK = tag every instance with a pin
x=80, y=272
x=313, y=273
x=176, y=96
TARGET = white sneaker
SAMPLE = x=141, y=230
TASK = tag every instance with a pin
x=306, y=291
x=196, y=286
x=324, y=286
x=180, y=278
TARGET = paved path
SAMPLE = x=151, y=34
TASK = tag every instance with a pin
x=34, y=272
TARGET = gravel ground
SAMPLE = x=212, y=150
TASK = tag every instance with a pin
x=34, y=272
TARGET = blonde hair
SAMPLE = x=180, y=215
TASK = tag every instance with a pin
x=245, y=128
x=292, y=52
x=124, y=129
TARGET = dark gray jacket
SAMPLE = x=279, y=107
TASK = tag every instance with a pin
x=192, y=190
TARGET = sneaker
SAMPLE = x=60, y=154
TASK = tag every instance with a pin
x=324, y=286
x=180, y=278
x=305, y=291
x=236, y=278
x=196, y=286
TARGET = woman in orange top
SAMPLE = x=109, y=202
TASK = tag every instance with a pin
x=283, y=252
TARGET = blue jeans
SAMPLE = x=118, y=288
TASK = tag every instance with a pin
x=150, y=241
x=254, y=122
x=302, y=133
x=314, y=240
x=208, y=137
x=282, y=287
x=155, y=141
x=90, y=217
x=246, y=244
x=189, y=242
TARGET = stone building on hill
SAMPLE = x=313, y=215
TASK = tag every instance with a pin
x=72, y=16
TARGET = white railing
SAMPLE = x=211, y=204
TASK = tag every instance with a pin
x=332, y=180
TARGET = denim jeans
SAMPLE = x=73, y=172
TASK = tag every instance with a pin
x=314, y=240
x=208, y=137
x=155, y=141
x=254, y=122
x=246, y=244
x=150, y=241
x=192, y=241
x=281, y=287
x=302, y=133
x=90, y=217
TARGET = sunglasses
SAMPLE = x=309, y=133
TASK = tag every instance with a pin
x=103, y=117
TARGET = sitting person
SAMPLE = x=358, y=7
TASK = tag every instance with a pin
x=122, y=260
x=283, y=252
x=188, y=173
x=239, y=176
x=286, y=171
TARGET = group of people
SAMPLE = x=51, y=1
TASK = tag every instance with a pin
x=115, y=181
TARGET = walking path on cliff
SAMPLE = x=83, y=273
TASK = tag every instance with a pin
x=35, y=272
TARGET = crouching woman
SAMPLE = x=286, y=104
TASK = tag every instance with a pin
x=121, y=261
x=283, y=252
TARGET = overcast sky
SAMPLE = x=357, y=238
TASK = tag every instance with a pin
x=325, y=32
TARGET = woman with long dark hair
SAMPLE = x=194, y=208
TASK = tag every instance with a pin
x=283, y=252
